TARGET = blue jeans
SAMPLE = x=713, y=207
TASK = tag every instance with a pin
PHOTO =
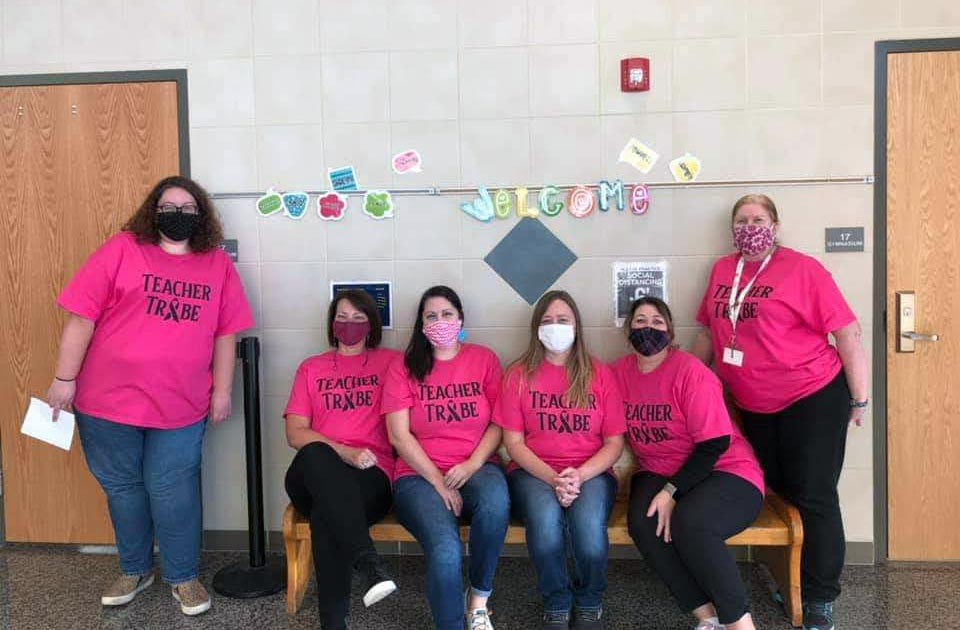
x=152, y=481
x=551, y=529
x=486, y=504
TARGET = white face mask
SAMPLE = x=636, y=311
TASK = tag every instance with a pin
x=557, y=338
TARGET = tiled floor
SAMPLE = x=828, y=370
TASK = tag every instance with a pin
x=45, y=588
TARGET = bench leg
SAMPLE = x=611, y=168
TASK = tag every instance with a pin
x=784, y=566
x=299, y=568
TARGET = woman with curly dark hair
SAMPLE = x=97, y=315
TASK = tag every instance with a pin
x=146, y=357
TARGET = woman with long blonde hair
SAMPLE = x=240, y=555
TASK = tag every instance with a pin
x=563, y=425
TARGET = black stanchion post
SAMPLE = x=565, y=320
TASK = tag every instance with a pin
x=261, y=576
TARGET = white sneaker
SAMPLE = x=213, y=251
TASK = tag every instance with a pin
x=479, y=619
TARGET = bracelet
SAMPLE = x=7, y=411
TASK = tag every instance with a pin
x=65, y=380
x=858, y=404
x=670, y=489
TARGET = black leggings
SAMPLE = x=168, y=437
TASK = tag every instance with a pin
x=697, y=566
x=801, y=451
x=342, y=502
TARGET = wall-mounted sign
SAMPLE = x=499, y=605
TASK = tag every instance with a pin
x=380, y=290
x=844, y=239
x=231, y=246
x=633, y=280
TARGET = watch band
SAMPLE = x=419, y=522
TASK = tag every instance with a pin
x=670, y=489
x=859, y=404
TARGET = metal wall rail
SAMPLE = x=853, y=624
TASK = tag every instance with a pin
x=723, y=183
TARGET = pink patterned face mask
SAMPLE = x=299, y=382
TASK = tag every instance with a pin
x=443, y=334
x=752, y=239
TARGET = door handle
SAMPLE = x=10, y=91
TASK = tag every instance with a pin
x=907, y=336
x=921, y=337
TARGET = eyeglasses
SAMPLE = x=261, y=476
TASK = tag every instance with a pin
x=187, y=208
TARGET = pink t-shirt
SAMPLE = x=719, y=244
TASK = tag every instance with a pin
x=672, y=408
x=782, y=329
x=560, y=435
x=341, y=396
x=156, y=316
x=450, y=410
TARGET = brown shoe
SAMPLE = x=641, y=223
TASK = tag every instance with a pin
x=125, y=588
x=193, y=597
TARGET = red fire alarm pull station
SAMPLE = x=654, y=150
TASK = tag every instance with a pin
x=635, y=74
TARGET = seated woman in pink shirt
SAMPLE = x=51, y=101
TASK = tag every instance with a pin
x=340, y=477
x=766, y=315
x=697, y=481
x=146, y=357
x=438, y=400
x=563, y=425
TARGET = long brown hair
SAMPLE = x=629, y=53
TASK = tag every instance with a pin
x=143, y=223
x=579, y=365
x=419, y=354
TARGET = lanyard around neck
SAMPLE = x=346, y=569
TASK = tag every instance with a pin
x=736, y=300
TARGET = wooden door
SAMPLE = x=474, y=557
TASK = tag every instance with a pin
x=76, y=162
x=923, y=254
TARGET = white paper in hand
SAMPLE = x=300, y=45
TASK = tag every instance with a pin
x=38, y=423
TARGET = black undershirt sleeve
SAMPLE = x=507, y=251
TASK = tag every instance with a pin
x=700, y=463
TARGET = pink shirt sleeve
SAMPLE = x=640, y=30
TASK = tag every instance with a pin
x=703, y=313
x=235, y=315
x=614, y=419
x=397, y=394
x=508, y=412
x=703, y=407
x=299, y=401
x=826, y=310
x=91, y=289
x=493, y=380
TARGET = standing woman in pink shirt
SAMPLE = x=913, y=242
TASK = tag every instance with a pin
x=697, y=481
x=146, y=357
x=563, y=425
x=438, y=399
x=340, y=477
x=766, y=316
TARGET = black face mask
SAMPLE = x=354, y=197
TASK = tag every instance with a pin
x=649, y=341
x=178, y=226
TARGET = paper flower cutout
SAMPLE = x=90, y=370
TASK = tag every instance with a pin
x=331, y=206
x=378, y=204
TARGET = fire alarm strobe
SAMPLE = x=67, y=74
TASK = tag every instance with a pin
x=635, y=74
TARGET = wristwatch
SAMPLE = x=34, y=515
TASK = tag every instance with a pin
x=859, y=404
x=670, y=489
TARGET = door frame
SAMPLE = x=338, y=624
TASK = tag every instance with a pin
x=178, y=76
x=882, y=49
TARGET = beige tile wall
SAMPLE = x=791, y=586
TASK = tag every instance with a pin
x=499, y=92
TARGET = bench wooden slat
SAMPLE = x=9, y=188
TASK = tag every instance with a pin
x=768, y=530
x=777, y=532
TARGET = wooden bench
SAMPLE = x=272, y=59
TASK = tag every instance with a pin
x=776, y=537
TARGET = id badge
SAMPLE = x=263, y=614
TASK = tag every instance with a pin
x=732, y=356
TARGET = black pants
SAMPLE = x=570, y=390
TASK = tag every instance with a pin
x=697, y=566
x=801, y=451
x=342, y=502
